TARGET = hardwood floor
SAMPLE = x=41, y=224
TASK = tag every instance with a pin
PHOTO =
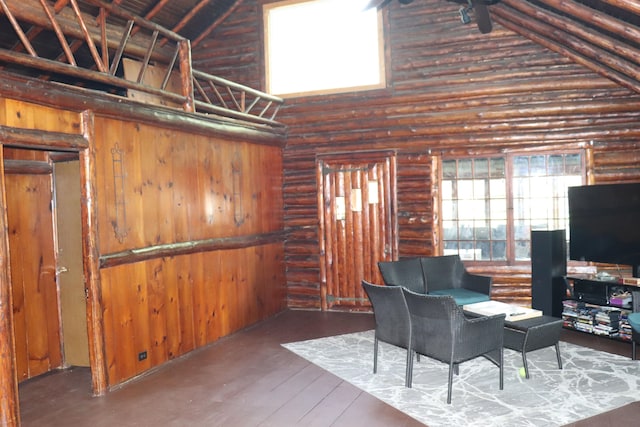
x=247, y=379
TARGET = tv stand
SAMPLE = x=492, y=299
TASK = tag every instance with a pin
x=598, y=306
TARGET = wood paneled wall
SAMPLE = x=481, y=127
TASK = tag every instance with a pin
x=167, y=191
x=451, y=89
x=188, y=219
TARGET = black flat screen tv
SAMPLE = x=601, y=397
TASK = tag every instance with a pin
x=604, y=224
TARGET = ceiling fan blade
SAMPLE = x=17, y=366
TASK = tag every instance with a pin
x=483, y=19
x=377, y=4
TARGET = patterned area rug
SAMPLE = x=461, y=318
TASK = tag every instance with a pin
x=591, y=382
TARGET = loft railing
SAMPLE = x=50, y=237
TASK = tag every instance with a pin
x=104, y=44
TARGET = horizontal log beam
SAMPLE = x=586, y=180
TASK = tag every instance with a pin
x=36, y=139
x=186, y=248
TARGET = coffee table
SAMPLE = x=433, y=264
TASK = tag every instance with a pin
x=533, y=334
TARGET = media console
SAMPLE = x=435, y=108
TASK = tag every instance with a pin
x=599, y=306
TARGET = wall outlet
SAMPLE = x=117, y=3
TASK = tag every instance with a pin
x=142, y=356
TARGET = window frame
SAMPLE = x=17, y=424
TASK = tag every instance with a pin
x=383, y=59
x=509, y=160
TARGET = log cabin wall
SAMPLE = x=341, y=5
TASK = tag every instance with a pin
x=450, y=90
x=188, y=219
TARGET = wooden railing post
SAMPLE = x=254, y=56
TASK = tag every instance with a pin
x=186, y=75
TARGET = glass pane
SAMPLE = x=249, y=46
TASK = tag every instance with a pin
x=521, y=230
x=498, y=209
x=482, y=230
x=497, y=168
x=449, y=169
x=498, y=188
x=521, y=166
x=573, y=164
x=523, y=251
x=466, y=232
x=465, y=189
x=450, y=248
x=520, y=187
x=499, y=250
x=466, y=209
x=450, y=230
x=483, y=250
x=479, y=189
x=498, y=230
x=449, y=209
x=467, y=251
x=481, y=167
x=446, y=190
x=537, y=166
x=556, y=164
x=464, y=169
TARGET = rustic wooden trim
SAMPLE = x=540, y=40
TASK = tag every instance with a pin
x=36, y=139
x=78, y=99
x=9, y=400
x=89, y=215
x=31, y=167
x=185, y=248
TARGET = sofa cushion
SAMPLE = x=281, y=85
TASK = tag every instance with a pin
x=462, y=296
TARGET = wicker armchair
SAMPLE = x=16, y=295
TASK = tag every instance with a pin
x=634, y=322
x=441, y=331
x=393, y=325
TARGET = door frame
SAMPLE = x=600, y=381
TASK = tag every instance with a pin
x=391, y=206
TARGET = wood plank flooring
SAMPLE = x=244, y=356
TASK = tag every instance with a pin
x=247, y=379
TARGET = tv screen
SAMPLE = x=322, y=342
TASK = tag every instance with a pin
x=604, y=224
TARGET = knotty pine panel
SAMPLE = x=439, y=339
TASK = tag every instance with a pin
x=26, y=115
x=450, y=89
x=170, y=306
x=179, y=187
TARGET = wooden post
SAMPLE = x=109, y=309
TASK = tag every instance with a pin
x=186, y=74
x=89, y=217
x=9, y=406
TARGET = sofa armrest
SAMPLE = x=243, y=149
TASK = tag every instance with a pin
x=477, y=283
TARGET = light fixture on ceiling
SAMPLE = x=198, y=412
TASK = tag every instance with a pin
x=464, y=13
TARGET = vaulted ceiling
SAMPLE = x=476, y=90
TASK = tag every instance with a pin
x=603, y=35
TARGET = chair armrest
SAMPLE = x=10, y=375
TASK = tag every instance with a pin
x=477, y=283
x=480, y=335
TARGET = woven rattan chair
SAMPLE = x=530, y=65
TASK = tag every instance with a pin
x=392, y=319
x=441, y=331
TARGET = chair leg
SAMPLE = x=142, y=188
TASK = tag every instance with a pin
x=452, y=366
x=408, y=376
x=375, y=355
x=558, y=356
x=501, y=351
x=524, y=362
x=633, y=350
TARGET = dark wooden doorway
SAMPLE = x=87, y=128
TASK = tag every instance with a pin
x=356, y=204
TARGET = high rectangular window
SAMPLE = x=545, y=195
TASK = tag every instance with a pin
x=322, y=46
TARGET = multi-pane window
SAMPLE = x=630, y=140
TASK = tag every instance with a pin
x=490, y=205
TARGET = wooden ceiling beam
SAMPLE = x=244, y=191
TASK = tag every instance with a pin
x=559, y=41
x=593, y=17
x=30, y=11
x=630, y=5
x=215, y=24
x=614, y=46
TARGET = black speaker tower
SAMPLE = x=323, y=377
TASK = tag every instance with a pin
x=548, y=271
